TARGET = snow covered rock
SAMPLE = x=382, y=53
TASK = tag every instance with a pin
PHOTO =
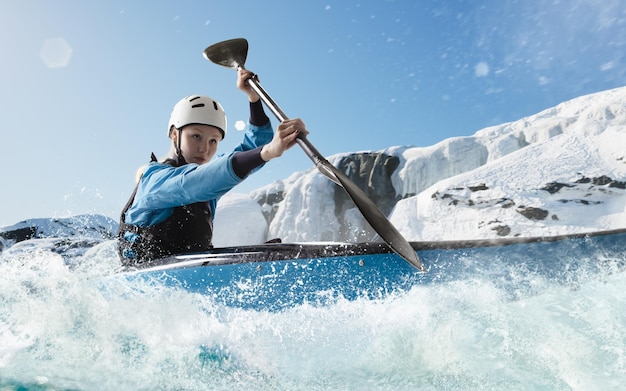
x=70, y=237
x=502, y=181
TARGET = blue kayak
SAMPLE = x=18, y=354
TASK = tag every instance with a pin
x=277, y=276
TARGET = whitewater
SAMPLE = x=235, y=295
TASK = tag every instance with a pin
x=61, y=328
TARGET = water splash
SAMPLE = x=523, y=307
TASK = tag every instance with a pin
x=59, y=329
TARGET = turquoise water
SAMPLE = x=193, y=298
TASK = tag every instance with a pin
x=60, y=331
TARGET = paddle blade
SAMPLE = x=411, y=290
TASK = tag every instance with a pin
x=231, y=53
x=376, y=218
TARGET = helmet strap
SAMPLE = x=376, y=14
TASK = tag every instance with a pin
x=177, y=146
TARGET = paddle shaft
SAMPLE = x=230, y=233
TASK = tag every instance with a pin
x=309, y=149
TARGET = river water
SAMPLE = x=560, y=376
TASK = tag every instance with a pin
x=59, y=330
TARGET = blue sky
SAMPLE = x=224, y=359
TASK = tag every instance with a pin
x=364, y=75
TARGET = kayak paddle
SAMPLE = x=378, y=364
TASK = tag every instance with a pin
x=232, y=54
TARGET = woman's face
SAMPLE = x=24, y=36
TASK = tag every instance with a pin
x=199, y=142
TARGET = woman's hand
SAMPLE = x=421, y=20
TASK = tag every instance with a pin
x=284, y=138
x=242, y=83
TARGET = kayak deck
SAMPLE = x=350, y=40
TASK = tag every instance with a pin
x=276, y=276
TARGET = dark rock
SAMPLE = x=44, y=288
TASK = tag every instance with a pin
x=372, y=173
x=579, y=201
x=466, y=201
x=506, y=203
x=532, y=213
x=19, y=234
x=269, y=203
x=554, y=187
x=480, y=187
x=502, y=230
x=603, y=181
x=618, y=184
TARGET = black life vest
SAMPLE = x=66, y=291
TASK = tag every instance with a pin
x=188, y=229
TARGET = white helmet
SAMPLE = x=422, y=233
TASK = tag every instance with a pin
x=198, y=109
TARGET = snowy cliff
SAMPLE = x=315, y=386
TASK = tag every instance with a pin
x=559, y=171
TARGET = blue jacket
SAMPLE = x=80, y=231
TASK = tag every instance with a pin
x=163, y=187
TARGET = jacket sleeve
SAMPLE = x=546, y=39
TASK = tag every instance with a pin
x=258, y=129
x=163, y=187
x=256, y=136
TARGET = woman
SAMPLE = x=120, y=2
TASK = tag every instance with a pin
x=172, y=208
